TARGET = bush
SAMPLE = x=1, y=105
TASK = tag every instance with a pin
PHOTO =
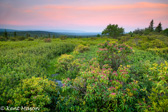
x=113, y=54
x=68, y=65
x=13, y=39
x=47, y=40
x=81, y=48
x=64, y=61
x=21, y=38
x=34, y=92
x=2, y=38
x=99, y=90
x=158, y=95
x=63, y=37
x=152, y=44
x=30, y=39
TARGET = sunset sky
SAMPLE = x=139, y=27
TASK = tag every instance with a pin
x=81, y=15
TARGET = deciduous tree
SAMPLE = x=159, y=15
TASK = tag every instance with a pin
x=113, y=31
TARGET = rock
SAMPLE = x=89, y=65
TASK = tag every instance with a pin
x=59, y=83
x=53, y=75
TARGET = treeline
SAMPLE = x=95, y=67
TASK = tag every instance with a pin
x=151, y=29
x=114, y=31
x=31, y=35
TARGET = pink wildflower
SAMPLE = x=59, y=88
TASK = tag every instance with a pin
x=113, y=93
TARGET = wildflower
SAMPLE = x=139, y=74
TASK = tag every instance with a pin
x=113, y=93
x=128, y=89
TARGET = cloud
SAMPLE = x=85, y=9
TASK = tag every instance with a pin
x=136, y=14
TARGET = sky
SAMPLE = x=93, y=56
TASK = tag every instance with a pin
x=81, y=15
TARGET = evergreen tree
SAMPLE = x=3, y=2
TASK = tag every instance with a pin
x=14, y=34
x=49, y=35
x=6, y=34
x=151, y=26
x=159, y=28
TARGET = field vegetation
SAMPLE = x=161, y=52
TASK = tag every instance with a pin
x=125, y=73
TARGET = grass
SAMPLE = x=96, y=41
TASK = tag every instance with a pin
x=85, y=57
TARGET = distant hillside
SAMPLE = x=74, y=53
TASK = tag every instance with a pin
x=46, y=33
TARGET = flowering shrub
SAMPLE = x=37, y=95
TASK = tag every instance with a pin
x=34, y=92
x=100, y=89
x=113, y=54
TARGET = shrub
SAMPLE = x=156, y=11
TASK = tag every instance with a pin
x=157, y=97
x=100, y=90
x=13, y=39
x=63, y=37
x=152, y=44
x=21, y=38
x=68, y=65
x=47, y=40
x=64, y=61
x=113, y=54
x=81, y=48
x=30, y=39
x=2, y=38
x=34, y=92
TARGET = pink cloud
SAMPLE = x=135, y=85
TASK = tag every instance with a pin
x=138, y=14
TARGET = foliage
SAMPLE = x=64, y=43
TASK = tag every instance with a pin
x=30, y=38
x=24, y=62
x=100, y=89
x=21, y=38
x=113, y=54
x=5, y=35
x=63, y=37
x=47, y=40
x=68, y=65
x=2, y=38
x=13, y=39
x=152, y=44
x=165, y=32
x=81, y=48
x=91, y=82
x=151, y=26
x=63, y=62
x=159, y=28
x=113, y=31
x=34, y=92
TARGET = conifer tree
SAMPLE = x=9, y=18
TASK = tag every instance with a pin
x=159, y=28
x=151, y=26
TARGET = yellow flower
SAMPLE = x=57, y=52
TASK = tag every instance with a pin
x=130, y=94
x=128, y=66
x=128, y=89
